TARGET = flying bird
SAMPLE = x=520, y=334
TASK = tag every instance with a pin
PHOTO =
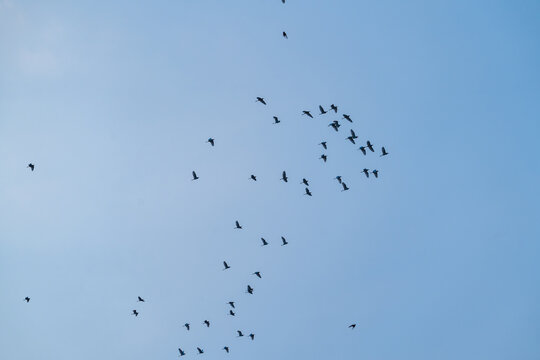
x=27, y=299
x=351, y=139
x=135, y=313
x=250, y=290
x=201, y=351
x=383, y=150
x=252, y=336
x=195, y=177
x=186, y=326
x=284, y=176
x=376, y=173
x=353, y=135
x=31, y=166
x=345, y=187
x=284, y=241
x=366, y=171
x=324, y=157
x=226, y=348
x=338, y=178
x=211, y=141
x=352, y=326
x=333, y=107
x=261, y=100
x=305, y=182
x=207, y=323
x=253, y=177
x=347, y=117
x=182, y=352
x=226, y=265
x=239, y=333
x=335, y=125
x=231, y=313
x=258, y=273
x=237, y=225
x=323, y=145
x=305, y=112
x=264, y=242
x=140, y=299
x=363, y=149
x=321, y=109
x=276, y=120
x=370, y=146
x=231, y=303
x=308, y=193
x=285, y=35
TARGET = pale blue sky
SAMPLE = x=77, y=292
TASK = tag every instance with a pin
x=113, y=102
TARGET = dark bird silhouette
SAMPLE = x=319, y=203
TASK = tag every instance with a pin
x=321, y=109
x=27, y=299
x=305, y=182
x=252, y=336
x=31, y=166
x=135, y=313
x=258, y=273
x=338, y=178
x=140, y=299
x=226, y=265
x=347, y=117
x=264, y=242
x=352, y=326
x=207, y=323
x=366, y=171
x=335, y=125
x=226, y=348
x=305, y=112
x=351, y=139
x=276, y=120
x=187, y=326
x=284, y=241
x=308, y=193
x=383, y=150
x=195, y=177
x=237, y=225
x=324, y=157
x=201, y=351
x=323, y=145
x=261, y=100
x=231, y=313
x=353, y=135
x=182, y=352
x=231, y=303
x=284, y=176
x=345, y=187
x=239, y=333
x=253, y=177
x=250, y=290
x=333, y=107
x=363, y=149
x=376, y=173
x=211, y=141
x=285, y=35
x=283, y=1
x=370, y=146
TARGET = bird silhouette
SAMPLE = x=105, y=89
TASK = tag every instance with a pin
x=135, y=313
x=264, y=242
x=285, y=35
x=226, y=265
x=333, y=107
x=335, y=125
x=226, y=348
x=284, y=176
x=140, y=299
x=323, y=145
x=366, y=171
x=253, y=177
x=27, y=299
x=370, y=146
x=363, y=149
x=31, y=166
x=383, y=150
x=231, y=303
x=231, y=313
x=376, y=173
x=347, y=117
x=195, y=177
x=258, y=273
x=345, y=187
x=261, y=100
x=284, y=241
x=237, y=225
x=338, y=178
x=276, y=120
x=250, y=290
x=351, y=139
x=308, y=193
x=211, y=141
x=283, y=1
x=321, y=109
x=207, y=323
x=324, y=157
x=186, y=325
x=239, y=333
x=182, y=352
x=305, y=182
x=201, y=351
x=352, y=326
x=305, y=112
x=353, y=135
x=252, y=336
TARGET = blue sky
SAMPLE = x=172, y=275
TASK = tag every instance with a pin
x=113, y=102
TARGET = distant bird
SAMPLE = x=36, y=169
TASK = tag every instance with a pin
x=237, y=225
x=135, y=313
x=276, y=120
x=140, y=299
x=182, y=352
x=250, y=290
x=305, y=112
x=258, y=273
x=366, y=171
x=284, y=241
x=338, y=178
x=283, y=1
x=383, y=150
x=27, y=299
x=252, y=336
x=305, y=182
x=376, y=173
x=226, y=348
x=347, y=117
x=351, y=139
x=321, y=109
x=261, y=100
x=370, y=146
x=323, y=145
x=335, y=125
x=211, y=141
x=31, y=166
x=207, y=323
x=231, y=303
x=231, y=313
x=324, y=157
x=284, y=176
x=352, y=326
x=186, y=326
x=264, y=242
x=195, y=177
x=345, y=187
x=363, y=149
x=253, y=177
x=201, y=351
x=333, y=107
x=239, y=333
x=308, y=193
x=353, y=135
x=285, y=35
x=226, y=265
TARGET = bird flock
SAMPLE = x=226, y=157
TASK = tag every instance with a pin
x=250, y=290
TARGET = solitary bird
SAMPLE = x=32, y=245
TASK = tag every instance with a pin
x=250, y=290
x=231, y=313
x=335, y=125
x=308, y=193
x=186, y=326
x=211, y=141
x=239, y=333
x=201, y=351
x=195, y=177
x=333, y=107
x=324, y=157
x=351, y=139
x=347, y=117
x=276, y=120
x=252, y=336
x=226, y=348
x=264, y=242
x=321, y=109
x=305, y=182
x=27, y=299
x=352, y=326
x=305, y=112
x=284, y=241
x=258, y=273
x=207, y=323
x=140, y=299
x=345, y=187
x=182, y=352
x=31, y=166
x=338, y=178
x=353, y=135
x=370, y=146
x=261, y=100
x=363, y=149
x=285, y=35
x=323, y=145
x=284, y=176
x=376, y=173
x=366, y=171
x=231, y=303
x=226, y=265
x=253, y=177
x=237, y=225
x=383, y=150
x=135, y=313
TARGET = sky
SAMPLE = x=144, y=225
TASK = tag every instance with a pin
x=113, y=102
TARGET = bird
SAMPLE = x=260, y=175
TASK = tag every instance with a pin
x=237, y=225
x=258, y=273
x=283, y=1
x=226, y=265
x=333, y=107
x=226, y=348
x=305, y=182
x=239, y=333
x=363, y=149
x=201, y=351
x=253, y=177
x=353, y=135
x=140, y=299
x=182, y=352
x=195, y=177
x=252, y=336
x=352, y=326
x=351, y=139
x=321, y=109
x=261, y=100
x=31, y=166
x=231, y=303
x=276, y=120
x=347, y=117
x=338, y=178
x=323, y=145
x=250, y=290
x=231, y=313
x=366, y=171
x=308, y=193
x=335, y=125
x=383, y=150
x=345, y=187
x=27, y=299
x=305, y=112
x=285, y=35
x=324, y=157
x=207, y=323
x=376, y=173
x=187, y=326
x=284, y=241
x=211, y=141
x=264, y=242
x=135, y=313
x=284, y=176
x=370, y=146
